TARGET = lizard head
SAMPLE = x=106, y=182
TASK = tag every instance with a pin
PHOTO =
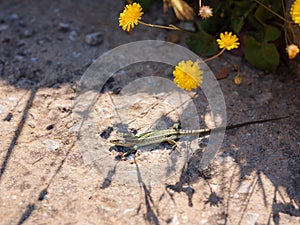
x=119, y=142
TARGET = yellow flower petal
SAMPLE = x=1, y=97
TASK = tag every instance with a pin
x=187, y=75
x=130, y=16
x=295, y=12
x=292, y=51
x=228, y=41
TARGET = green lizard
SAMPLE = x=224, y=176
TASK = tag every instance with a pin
x=170, y=135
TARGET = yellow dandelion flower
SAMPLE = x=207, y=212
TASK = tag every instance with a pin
x=187, y=75
x=130, y=16
x=205, y=12
x=292, y=51
x=228, y=41
x=295, y=12
x=238, y=79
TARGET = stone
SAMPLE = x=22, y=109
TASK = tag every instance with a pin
x=51, y=145
x=94, y=39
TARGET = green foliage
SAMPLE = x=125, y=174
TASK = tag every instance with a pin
x=145, y=4
x=203, y=43
x=258, y=30
x=272, y=33
x=263, y=56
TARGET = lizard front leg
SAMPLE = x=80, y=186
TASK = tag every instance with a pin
x=133, y=150
x=172, y=143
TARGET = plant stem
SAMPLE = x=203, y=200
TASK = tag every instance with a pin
x=270, y=10
x=170, y=27
x=215, y=56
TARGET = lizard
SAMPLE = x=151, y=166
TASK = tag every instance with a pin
x=170, y=135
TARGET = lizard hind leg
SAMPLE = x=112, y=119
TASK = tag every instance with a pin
x=173, y=144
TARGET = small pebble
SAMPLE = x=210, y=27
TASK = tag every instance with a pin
x=2, y=109
x=76, y=54
x=43, y=40
x=94, y=39
x=264, y=97
x=14, y=16
x=73, y=35
x=245, y=189
x=19, y=58
x=3, y=27
x=251, y=218
x=64, y=27
x=214, y=187
x=27, y=33
x=31, y=124
x=248, y=135
x=221, y=221
x=20, y=43
x=51, y=145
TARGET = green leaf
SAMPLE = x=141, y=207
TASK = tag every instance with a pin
x=212, y=25
x=254, y=23
x=261, y=14
x=272, y=33
x=145, y=4
x=202, y=43
x=237, y=24
x=263, y=56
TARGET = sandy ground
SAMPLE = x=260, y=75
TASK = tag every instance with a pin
x=45, y=177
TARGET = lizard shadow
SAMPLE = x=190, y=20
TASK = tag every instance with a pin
x=262, y=162
x=190, y=174
x=152, y=212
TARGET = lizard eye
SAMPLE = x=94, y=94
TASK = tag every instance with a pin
x=177, y=126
